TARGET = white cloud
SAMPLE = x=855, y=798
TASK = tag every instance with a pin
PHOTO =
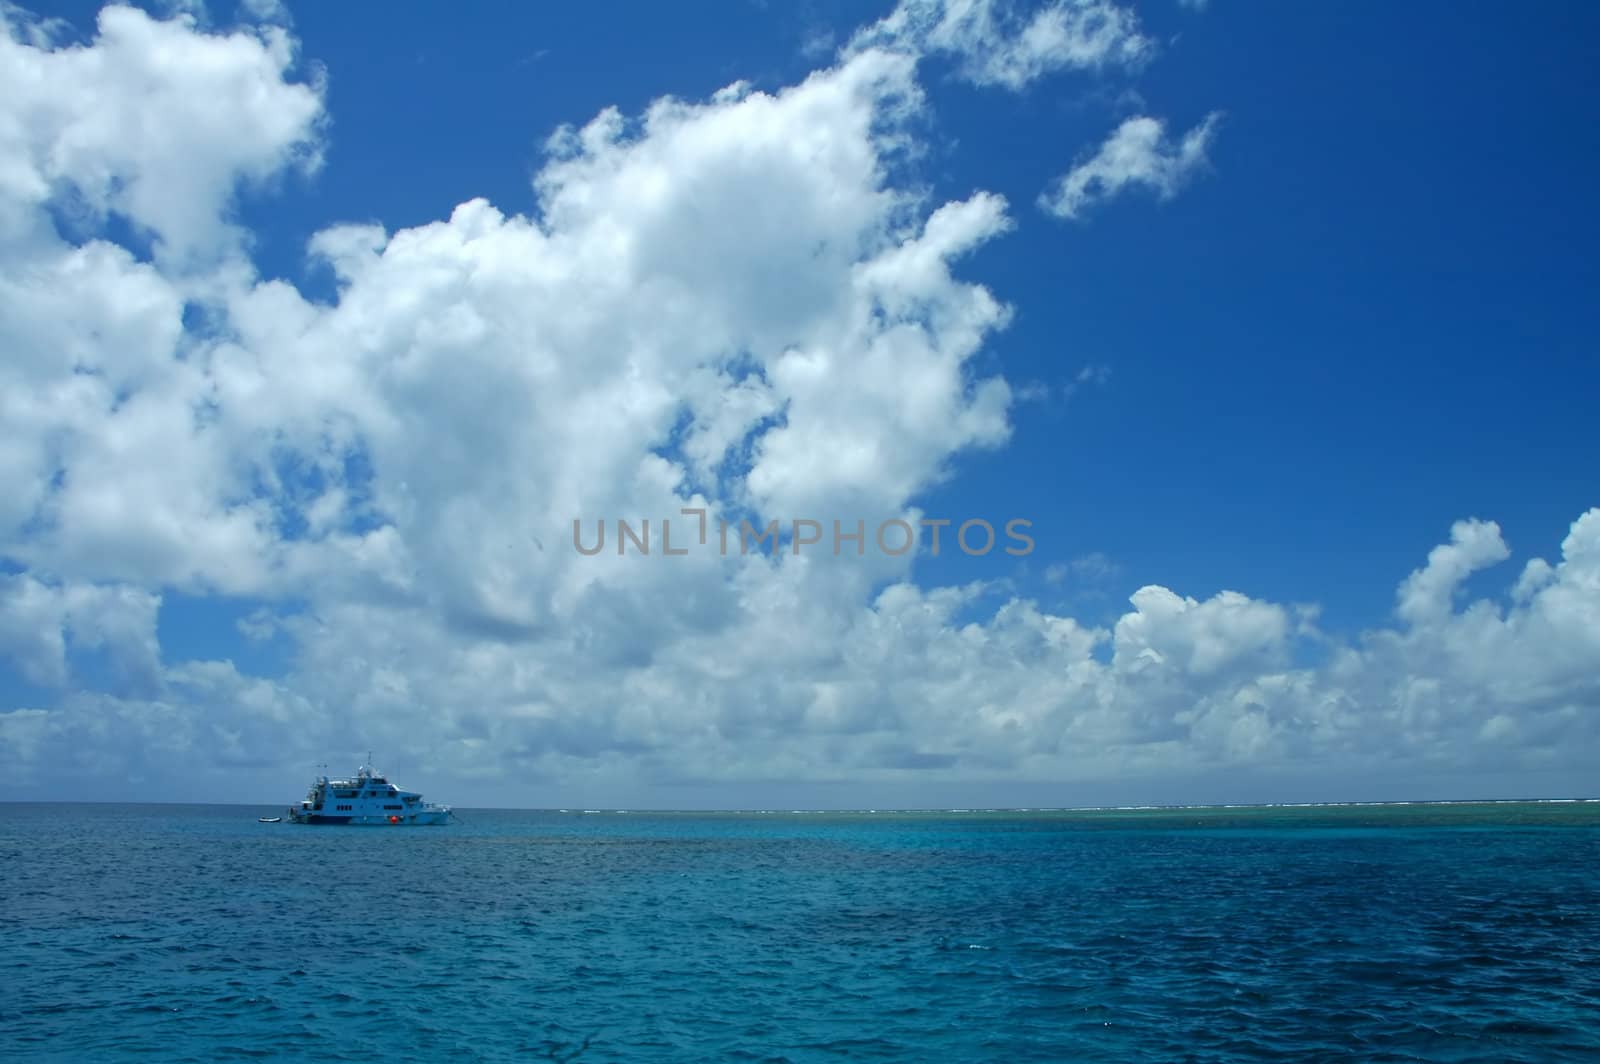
x=1200, y=638
x=39, y=622
x=995, y=44
x=1427, y=593
x=794, y=685
x=152, y=121
x=741, y=304
x=1138, y=153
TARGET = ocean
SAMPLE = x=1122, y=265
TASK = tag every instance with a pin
x=1461, y=932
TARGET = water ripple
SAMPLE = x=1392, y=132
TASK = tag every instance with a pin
x=179, y=933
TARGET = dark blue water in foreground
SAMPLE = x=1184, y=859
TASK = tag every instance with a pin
x=176, y=933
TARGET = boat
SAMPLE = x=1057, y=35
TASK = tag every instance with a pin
x=269, y=819
x=366, y=799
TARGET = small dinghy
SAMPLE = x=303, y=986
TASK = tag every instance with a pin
x=269, y=819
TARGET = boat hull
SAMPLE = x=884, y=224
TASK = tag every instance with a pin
x=425, y=818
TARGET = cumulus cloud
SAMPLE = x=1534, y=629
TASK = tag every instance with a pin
x=1426, y=594
x=742, y=304
x=994, y=43
x=152, y=121
x=39, y=622
x=1138, y=153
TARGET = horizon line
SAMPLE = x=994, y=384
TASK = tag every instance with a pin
x=771, y=810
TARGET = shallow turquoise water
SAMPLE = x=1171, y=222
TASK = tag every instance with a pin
x=1450, y=933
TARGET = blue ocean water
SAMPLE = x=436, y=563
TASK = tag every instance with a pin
x=181, y=933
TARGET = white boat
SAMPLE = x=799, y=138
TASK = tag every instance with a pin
x=366, y=799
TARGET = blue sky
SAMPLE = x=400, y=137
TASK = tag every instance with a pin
x=1363, y=315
